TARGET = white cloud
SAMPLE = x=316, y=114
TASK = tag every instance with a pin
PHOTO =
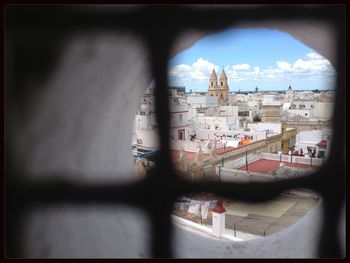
x=204, y=66
x=179, y=69
x=241, y=66
x=198, y=75
x=180, y=73
x=313, y=67
x=302, y=65
x=233, y=75
x=314, y=55
x=198, y=71
x=284, y=66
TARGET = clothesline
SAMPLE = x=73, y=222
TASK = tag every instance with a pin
x=195, y=207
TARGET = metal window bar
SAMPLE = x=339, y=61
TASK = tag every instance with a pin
x=150, y=22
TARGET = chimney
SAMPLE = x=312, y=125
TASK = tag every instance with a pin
x=219, y=219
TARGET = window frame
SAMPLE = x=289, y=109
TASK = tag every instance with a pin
x=25, y=194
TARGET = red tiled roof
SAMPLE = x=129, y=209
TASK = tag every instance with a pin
x=266, y=166
x=322, y=144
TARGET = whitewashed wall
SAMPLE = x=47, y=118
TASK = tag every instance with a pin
x=323, y=110
x=223, y=123
x=260, y=126
x=202, y=101
x=206, y=134
x=149, y=137
x=304, y=113
x=308, y=137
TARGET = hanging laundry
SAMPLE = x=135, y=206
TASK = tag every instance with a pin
x=184, y=199
x=194, y=207
x=182, y=206
x=213, y=204
x=204, y=209
x=186, y=206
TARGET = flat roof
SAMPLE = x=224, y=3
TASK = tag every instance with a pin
x=266, y=166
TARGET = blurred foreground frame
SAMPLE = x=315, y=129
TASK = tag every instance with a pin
x=34, y=39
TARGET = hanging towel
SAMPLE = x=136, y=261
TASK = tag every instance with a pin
x=204, y=209
x=213, y=204
x=194, y=207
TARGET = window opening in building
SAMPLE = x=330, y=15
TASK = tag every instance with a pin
x=260, y=121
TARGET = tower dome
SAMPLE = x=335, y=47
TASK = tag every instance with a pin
x=213, y=75
x=213, y=82
x=223, y=75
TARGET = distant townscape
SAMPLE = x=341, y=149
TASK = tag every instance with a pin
x=226, y=135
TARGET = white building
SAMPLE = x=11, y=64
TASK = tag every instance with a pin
x=289, y=96
x=253, y=103
x=301, y=112
x=241, y=97
x=270, y=128
x=229, y=110
x=323, y=110
x=202, y=101
x=220, y=123
x=215, y=118
x=309, y=108
x=145, y=131
x=268, y=98
x=179, y=125
x=310, y=141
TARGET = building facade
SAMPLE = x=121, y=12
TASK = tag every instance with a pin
x=271, y=112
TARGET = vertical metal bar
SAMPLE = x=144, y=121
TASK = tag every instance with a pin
x=161, y=232
x=329, y=243
x=14, y=213
x=161, y=213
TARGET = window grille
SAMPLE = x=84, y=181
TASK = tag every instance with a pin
x=150, y=22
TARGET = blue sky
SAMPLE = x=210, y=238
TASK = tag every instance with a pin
x=268, y=59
